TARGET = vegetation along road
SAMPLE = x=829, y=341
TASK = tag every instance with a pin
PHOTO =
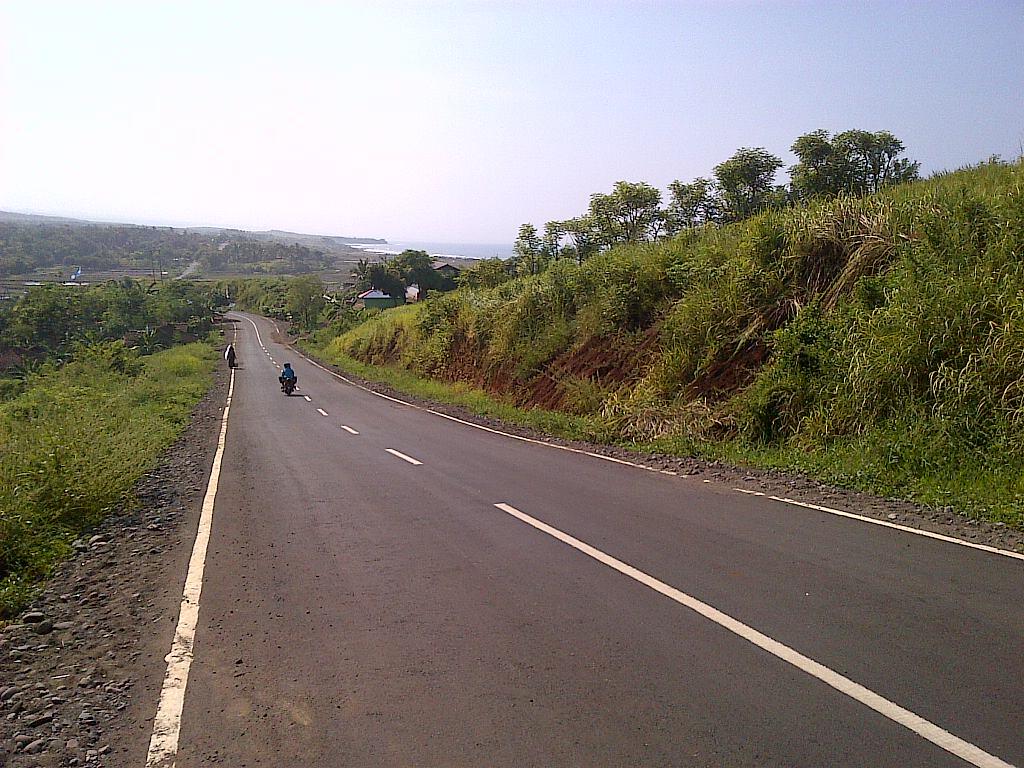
x=384, y=585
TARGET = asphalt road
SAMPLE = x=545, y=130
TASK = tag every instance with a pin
x=359, y=609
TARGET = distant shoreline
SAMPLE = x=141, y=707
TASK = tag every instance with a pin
x=462, y=251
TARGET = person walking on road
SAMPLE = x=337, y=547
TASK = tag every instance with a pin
x=229, y=355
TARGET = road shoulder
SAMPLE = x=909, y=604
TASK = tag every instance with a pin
x=80, y=686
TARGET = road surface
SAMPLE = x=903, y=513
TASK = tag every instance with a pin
x=190, y=270
x=387, y=587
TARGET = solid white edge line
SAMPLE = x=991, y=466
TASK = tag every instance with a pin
x=321, y=411
x=349, y=429
x=850, y=515
x=886, y=524
x=403, y=457
x=898, y=527
x=924, y=728
x=163, y=744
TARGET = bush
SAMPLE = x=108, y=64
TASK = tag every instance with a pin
x=76, y=441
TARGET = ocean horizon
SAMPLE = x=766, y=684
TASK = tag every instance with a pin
x=439, y=249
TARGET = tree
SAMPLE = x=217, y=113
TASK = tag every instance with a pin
x=875, y=160
x=487, y=273
x=551, y=242
x=361, y=272
x=631, y=213
x=691, y=205
x=853, y=162
x=527, y=249
x=582, y=231
x=823, y=170
x=416, y=267
x=384, y=279
x=305, y=300
x=746, y=181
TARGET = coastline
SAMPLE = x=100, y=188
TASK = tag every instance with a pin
x=439, y=250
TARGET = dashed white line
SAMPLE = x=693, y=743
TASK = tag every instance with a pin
x=933, y=733
x=403, y=457
x=321, y=411
x=349, y=429
x=307, y=398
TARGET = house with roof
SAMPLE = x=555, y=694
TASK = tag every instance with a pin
x=446, y=269
x=377, y=299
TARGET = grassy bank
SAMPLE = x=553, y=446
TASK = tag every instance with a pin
x=877, y=342
x=76, y=440
x=569, y=426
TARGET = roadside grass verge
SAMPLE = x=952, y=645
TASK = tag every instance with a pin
x=75, y=443
x=556, y=423
x=884, y=464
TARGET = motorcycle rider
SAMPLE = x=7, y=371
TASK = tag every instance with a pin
x=287, y=373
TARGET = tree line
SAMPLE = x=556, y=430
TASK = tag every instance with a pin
x=26, y=247
x=52, y=323
x=852, y=162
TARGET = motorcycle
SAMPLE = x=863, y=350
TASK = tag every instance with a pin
x=288, y=386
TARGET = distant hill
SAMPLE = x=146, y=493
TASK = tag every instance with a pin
x=275, y=235
x=330, y=243
x=46, y=248
x=9, y=217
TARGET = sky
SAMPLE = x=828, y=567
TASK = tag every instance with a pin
x=458, y=121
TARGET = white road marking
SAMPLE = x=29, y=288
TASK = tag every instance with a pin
x=308, y=398
x=481, y=427
x=349, y=429
x=402, y=456
x=321, y=411
x=933, y=733
x=897, y=526
x=258, y=337
x=163, y=745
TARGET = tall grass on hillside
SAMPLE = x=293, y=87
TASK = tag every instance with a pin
x=878, y=340
x=75, y=443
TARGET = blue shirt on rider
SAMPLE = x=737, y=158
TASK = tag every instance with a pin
x=287, y=372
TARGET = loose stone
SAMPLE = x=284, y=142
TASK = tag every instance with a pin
x=44, y=627
x=42, y=719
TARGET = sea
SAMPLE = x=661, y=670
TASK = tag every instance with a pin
x=440, y=250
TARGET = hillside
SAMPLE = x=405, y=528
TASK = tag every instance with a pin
x=876, y=341
x=37, y=248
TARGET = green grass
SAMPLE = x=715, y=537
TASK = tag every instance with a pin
x=75, y=443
